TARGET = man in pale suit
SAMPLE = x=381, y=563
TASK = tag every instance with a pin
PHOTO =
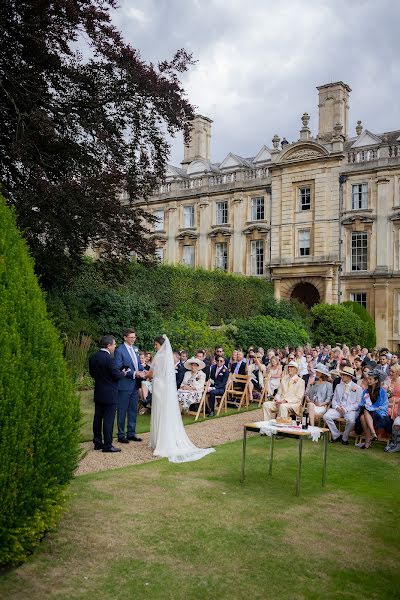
x=289, y=397
x=126, y=355
x=345, y=403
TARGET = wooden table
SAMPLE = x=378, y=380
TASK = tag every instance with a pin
x=300, y=435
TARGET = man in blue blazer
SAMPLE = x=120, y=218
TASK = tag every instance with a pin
x=126, y=355
x=219, y=377
x=106, y=377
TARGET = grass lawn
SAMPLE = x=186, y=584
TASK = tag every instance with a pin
x=160, y=531
x=143, y=421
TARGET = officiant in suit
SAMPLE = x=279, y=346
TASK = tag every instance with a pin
x=106, y=377
x=219, y=374
x=126, y=355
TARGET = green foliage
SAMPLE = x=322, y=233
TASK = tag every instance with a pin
x=187, y=334
x=292, y=310
x=39, y=412
x=334, y=323
x=269, y=332
x=367, y=319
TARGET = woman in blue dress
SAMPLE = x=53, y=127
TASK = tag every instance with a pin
x=374, y=408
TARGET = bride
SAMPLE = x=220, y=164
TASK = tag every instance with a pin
x=167, y=434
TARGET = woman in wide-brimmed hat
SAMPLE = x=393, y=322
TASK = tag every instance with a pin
x=319, y=393
x=193, y=383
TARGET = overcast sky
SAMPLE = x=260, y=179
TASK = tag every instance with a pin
x=259, y=62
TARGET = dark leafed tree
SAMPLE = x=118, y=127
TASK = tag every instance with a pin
x=76, y=126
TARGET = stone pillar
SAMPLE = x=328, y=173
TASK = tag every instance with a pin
x=382, y=236
x=204, y=228
x=328, y=289
x=172, y=228
x=277, y=289
x=381, y=290
x=237, y=242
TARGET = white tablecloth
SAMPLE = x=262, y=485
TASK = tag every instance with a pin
x=270, y=428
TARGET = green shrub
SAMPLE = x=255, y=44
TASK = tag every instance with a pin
x=269, y=332
x=39, y=412
x=114, y=311
x=367, y=319
x=336, y=323
x=190, y=335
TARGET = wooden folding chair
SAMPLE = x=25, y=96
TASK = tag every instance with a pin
x=263, y=396
x=202, y=404
x=235, y=396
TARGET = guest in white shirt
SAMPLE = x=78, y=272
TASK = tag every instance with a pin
x=345, y=404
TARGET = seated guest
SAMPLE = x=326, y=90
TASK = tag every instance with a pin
x=383, y=365
x=257, y=370
x=289, y=397
x=393, y=388
x=394, y=444
x=179, y=370
x=219, y=375
x=193, y=383
x=219, y=351
x=146, y=386
x=273, y=376
x=345, y=403
x=338, y=379
x=357, y=366
x=374, y=409
x=240, y=366
x=319, y=393
x=363, y=382
x=233, y=358
x=201, y=355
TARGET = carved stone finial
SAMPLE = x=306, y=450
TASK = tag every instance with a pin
x=275, y=141
x=359, y=128
x=284, y=142
x=385, y=139
x=305, y=119
x=338, y=128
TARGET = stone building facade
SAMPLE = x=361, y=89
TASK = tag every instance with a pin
x=320, y=217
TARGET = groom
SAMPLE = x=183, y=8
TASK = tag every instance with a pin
x=126, y=355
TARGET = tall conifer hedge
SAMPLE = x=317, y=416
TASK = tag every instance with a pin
x=39, y=412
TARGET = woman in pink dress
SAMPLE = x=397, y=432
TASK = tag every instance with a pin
x=393, y=389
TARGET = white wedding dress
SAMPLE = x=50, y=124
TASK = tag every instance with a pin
x=167, y=434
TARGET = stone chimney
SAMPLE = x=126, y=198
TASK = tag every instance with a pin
x=333, y=109
x=200, y=140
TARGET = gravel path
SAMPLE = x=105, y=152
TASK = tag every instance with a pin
x=204, y=434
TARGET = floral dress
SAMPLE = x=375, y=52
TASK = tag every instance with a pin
x=187, y=397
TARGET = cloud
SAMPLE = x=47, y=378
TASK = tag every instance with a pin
x=259, y=62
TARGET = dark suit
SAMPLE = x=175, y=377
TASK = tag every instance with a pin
x=128, y=391
x=220, y=382
x=179, y=374
x=106, y=376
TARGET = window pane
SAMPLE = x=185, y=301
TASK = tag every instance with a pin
x=304, y=242
x=360, y=298
x=188, y=216
x=159, y=224
x=257, y=257
x=305, y=198
x=222, y=213
x=359, y=251
x=159, y=254
x=359, y=196
x=188, y=256
x=257, y=209
x=221, y=256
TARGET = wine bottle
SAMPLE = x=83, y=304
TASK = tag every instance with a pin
x=305, y=419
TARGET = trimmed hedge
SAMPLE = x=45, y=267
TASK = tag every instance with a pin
x=336, y=323
x=39, y=412
x=186, y=334
x=209, y=296
x=368, y=320
x=269, y=332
